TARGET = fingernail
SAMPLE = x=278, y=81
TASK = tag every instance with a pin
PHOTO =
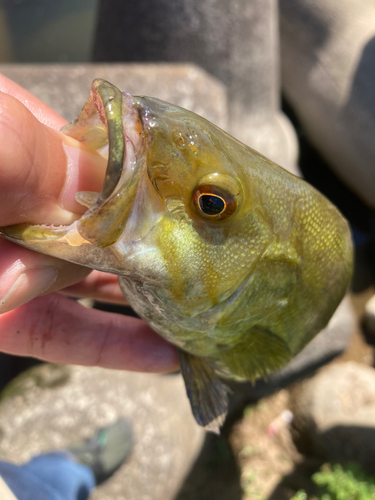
x=28, y=285
x=85, y=172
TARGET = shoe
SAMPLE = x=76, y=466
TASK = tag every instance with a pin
x=106, y=450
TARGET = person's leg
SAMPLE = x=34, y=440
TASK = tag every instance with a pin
x=53, y=476
x=71, y=474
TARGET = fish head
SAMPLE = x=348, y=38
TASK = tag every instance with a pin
x=197, y=219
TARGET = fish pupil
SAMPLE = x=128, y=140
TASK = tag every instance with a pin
x=211, y=204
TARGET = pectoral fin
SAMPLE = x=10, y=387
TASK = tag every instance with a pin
x=258, y=355
x=207, y=394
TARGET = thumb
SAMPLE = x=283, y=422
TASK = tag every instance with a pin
x=40, y=172
x=41, y=169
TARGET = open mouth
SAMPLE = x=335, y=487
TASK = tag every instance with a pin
x=111, y=117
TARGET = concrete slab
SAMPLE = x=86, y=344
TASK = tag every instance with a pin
x=65, y=87
x=51, y=407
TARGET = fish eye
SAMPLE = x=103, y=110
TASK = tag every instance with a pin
x=211, y=204
x=217, y=197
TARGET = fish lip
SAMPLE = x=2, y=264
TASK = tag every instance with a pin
x=104, y=222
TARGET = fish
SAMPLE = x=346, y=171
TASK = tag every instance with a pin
x=222, y=252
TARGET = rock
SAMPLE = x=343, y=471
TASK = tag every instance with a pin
x=45, y=32
x=328, y=75
x=237, y=42
x=329, y=343
x=335, y=411
x=51, y=407
x=369, y=319
x=65, y=87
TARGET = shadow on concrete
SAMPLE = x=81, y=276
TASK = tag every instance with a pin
x=360, y=106
x=298, y=479
x=343, y=444
x=11, y=366
x=348, y=445
x=215, y=474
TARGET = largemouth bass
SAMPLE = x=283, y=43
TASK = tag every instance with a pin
x=225, y=254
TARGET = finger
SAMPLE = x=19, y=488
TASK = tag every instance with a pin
x=49, y=326
x=99, y=286
x=40, y=110
x=41, y=170
x=25, y=274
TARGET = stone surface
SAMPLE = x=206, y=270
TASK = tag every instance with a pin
x=335, y=410
x=329, y=343
x=51, y=407
x=236, y=41
x=328, y=74
x=65, y=87
x=369, y=317
x=38, y=30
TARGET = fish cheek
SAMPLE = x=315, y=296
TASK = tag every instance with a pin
x=186, y=261
x=207, y=265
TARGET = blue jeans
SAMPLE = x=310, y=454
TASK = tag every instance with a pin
x=53, y=476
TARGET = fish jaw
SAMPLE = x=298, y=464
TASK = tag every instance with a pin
x=104, y=222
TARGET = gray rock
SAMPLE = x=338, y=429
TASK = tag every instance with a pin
x=65, y=87
x=369, y=317
x=335, y=410
x=236, y=41
x=51, y=407
x=48, y=31
x=329, y=343
x=328, y=74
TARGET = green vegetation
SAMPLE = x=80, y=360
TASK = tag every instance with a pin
x=337, y=482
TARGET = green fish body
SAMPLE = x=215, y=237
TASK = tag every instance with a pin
x=225, y=254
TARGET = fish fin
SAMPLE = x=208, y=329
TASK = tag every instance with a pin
x=86, y=198
x=208, y=395
x=260, y=354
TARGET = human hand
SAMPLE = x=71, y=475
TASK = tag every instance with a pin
x=40, y=172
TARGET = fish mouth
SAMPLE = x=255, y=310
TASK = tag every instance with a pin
x=110, y=123
x=111, y=119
